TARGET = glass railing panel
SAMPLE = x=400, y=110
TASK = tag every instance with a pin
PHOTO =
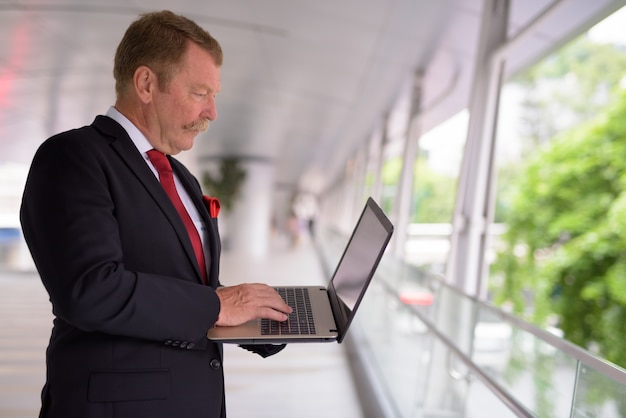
x=410, y=289
x=455, y=317
x=331, y=245
x=541, y=376
x=481, y=402
x=398, y=343
x=598, y=396
x=418, y=371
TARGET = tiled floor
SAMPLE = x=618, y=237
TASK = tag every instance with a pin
x=25, y=323
x=304, y=380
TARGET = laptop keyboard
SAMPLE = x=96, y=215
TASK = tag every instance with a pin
x=300, y=321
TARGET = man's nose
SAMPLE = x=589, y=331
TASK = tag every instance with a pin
x=211, y=111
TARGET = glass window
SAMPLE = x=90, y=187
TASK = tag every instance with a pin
x=436, y=173
x=561, y=192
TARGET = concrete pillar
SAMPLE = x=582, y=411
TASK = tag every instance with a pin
x=248, y=226
x=246, y=229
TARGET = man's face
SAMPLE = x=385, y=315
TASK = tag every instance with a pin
x=187, y=105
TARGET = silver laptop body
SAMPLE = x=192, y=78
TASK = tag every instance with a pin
x=334, y=307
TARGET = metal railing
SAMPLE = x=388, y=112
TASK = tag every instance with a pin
x=509, y=400
x=413, y=331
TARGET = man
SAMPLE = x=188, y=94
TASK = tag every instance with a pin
x=116, y=253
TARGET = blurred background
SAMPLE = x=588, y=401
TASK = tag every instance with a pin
x=490, y=131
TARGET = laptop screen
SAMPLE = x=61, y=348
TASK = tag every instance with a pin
x=360, y=259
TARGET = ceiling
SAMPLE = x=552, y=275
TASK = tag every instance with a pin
x=304, y=83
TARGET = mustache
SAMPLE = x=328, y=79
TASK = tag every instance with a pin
x=199, y=125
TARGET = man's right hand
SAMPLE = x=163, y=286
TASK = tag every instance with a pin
x=244, y=302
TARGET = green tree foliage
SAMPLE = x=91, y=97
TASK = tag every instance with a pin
x=566, y=238
x=433, y=195
x=391, y=171
x=569, y=86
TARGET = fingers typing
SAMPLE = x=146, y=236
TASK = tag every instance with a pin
x=244, y=302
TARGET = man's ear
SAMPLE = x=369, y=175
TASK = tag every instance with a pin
x=145, y=82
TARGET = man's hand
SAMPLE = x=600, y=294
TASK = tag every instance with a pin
x=241, y=303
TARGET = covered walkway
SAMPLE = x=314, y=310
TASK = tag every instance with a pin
x=454, y=356
x=389, y=73
x=279, y=386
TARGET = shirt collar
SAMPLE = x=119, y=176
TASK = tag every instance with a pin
x=140, y=141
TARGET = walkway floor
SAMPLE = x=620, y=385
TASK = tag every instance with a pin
x=304, y=380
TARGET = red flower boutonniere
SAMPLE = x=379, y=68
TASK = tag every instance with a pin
x=212, y=204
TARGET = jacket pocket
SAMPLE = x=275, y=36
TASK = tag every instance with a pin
x=136, y=385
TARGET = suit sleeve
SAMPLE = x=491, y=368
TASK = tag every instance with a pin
x=70, y=223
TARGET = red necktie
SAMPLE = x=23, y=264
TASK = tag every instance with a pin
x=166, y=177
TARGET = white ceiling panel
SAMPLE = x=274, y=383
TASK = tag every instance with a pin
x=304, y=83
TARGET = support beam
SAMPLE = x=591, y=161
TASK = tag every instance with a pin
x=379, y=154
x=474, y=208
x=409, y=155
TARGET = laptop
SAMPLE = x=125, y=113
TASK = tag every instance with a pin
x=326, y=313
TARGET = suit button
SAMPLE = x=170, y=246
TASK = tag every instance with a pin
x=190, y=346
x=168, y=342
x=183, y=344
x=215, y=364
x=175, y=343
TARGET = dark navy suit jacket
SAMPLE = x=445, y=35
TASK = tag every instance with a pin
x=131, y=313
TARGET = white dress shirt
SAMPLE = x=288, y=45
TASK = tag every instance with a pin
x=143, y=146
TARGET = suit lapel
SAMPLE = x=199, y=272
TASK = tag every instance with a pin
x=126, y=150
x=212, y=235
